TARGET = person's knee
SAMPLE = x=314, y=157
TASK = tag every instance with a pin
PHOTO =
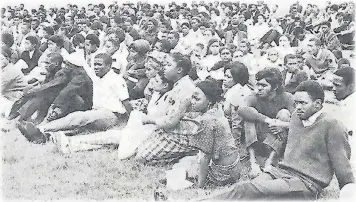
x=283, y=115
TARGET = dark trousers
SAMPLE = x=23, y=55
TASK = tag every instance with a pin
x=270, y=36
x=276, y=185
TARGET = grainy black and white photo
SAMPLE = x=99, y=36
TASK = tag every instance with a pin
x=163, y=100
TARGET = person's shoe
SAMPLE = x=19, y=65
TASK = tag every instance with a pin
x=13, y=115
x=31, y=132
x=61, y=141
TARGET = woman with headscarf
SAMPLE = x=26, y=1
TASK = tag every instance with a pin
x=135, y=74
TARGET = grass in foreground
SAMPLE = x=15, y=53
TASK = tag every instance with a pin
x=39, y=172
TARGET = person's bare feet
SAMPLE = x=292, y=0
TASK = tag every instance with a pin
x=255, y=170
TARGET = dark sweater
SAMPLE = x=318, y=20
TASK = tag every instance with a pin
x=319, y=151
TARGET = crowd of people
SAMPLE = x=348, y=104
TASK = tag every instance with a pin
x=231, y=82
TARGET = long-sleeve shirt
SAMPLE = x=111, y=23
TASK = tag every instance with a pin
x=319, y=151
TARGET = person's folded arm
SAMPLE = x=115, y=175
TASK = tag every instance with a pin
x=173, y=117
x=74, y=86
x=249, y=113
x=59, y=78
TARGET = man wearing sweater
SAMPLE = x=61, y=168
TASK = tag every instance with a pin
x=321, y=61
x=317, y=148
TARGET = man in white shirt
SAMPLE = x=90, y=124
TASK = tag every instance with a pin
x=110, y=105
x=344, y=108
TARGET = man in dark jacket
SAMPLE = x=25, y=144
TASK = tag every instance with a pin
x=65, y=90
x=31, y=54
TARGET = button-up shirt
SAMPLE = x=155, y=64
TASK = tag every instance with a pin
x=109, y=92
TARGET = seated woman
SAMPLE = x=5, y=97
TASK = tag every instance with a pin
x=200, y=129
x=219, y=163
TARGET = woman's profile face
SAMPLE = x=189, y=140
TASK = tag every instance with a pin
x=199, y=101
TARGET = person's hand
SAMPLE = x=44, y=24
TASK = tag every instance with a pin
x=125, y=75
x=277, y=127
x=30, y=89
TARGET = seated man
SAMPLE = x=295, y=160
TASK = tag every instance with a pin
x=110, y=103
x=41, y=94
x=31, y=54
x=106, y=98
x=316, y=149
x=293, y=75
x=269, y=102
x=344, y=108
x=328, y=38
x=321, y=61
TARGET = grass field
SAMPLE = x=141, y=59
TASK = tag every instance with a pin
x=39, y=172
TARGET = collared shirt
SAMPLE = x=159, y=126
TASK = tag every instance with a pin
x=109, y=92
x=311, y=120
x=30, y=53
x=288, y=77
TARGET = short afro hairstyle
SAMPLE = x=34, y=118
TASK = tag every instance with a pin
x=106, y=57
x=347, y=74
x=8, y=39
x=313, y=88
